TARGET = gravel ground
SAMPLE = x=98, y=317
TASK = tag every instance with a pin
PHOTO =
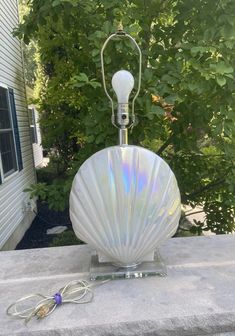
x=36, y=236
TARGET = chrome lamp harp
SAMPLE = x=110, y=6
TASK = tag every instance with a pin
x=124, y=200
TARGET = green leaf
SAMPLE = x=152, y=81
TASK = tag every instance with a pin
x=56, y=3
x=169, y=79
x=95, y=84
x=196, y=50
x=148, y=73
x=229, y=76
x=100, y=34
x=90, y=138
x=82, y=77
x=95, y=52
x=171, y=99
x=157, y=110
x=222, y=68
x=221, y=80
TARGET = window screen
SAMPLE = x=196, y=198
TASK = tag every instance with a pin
x=7, y=145
x=33, y=126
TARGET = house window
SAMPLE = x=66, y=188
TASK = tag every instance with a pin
x=8, y=159
x=33, y=126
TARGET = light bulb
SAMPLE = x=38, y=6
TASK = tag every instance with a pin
x=123, y=83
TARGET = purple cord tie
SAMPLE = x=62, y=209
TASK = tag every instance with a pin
x=58, y=298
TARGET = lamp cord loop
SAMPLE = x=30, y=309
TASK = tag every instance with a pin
x=77, y=291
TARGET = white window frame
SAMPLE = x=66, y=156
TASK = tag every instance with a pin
x=33, y=124
x=13, y=173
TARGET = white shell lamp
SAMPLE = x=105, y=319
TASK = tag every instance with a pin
x=124, y=200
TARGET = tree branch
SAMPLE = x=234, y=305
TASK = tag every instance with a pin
x=193, y=213
x=209, y=186
x=165, y=145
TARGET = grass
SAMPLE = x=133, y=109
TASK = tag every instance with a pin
x=66, y=238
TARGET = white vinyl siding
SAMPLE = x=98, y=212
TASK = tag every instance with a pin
x=12, y=196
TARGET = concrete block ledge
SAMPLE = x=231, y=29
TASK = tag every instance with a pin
x=196, y=298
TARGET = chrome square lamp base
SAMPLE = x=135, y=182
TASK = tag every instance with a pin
x=107, y=270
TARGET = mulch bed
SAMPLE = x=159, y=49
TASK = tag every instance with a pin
x=36, y=236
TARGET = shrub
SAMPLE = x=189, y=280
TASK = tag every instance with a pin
x=186, y=102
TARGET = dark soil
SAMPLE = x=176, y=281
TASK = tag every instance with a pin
x=36, y=236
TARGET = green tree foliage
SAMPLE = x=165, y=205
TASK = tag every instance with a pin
x=29, y=50
x=186, y=106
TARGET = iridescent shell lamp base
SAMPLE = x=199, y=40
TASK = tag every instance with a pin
x=124, y=203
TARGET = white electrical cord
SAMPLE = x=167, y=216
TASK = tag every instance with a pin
x=77, y=291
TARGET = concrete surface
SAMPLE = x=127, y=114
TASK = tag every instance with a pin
x=196, y=298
